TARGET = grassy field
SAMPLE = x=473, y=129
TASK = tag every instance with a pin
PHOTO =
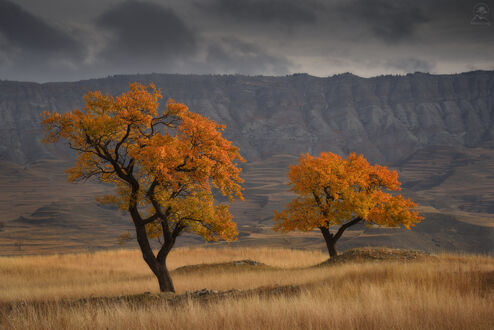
x=436, y=292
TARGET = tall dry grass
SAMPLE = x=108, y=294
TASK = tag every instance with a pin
x=448, y=292
x=118, y=272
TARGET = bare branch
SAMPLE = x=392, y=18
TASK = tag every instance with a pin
x=205, y=225
x=178, y=229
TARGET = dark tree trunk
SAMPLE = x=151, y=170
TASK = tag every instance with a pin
x=330, y=242
x=332, y=239
x=156, y=264
x=164, y=279
x=162, y=274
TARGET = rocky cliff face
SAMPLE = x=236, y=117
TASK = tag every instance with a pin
x=387, y=118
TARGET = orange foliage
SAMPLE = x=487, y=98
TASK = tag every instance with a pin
x=174, y=157
x=332, y=190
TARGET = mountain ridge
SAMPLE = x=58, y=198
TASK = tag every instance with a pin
x=296, y=74
x=343, y=113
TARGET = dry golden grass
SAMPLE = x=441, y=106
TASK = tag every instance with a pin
x=118, y=272
x=447, y=292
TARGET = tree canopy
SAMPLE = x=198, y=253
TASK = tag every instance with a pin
x=165, y=165
x=334, y=191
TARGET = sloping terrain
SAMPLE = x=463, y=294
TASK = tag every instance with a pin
x=436, y=130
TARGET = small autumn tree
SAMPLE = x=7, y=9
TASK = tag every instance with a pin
x=164, y=164
x=333, y=191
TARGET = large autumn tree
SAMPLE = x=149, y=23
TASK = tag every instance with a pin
x=164, y=164
x=334, y=191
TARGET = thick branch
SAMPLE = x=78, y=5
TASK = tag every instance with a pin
x=150, y=219
x=146, y=250
x=130, y=167
x=168, y=243
x=319, y=204
x=167, y=235
x=317, y=199
x=119, y=144
x=326, y=233
x=178, y=229
x=346, y=226
x=151, y=188
x=166, y=228
x=181, y=167
x=329, y=197
x=154, y=202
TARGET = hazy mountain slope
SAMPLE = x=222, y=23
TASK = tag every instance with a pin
x=437, y=130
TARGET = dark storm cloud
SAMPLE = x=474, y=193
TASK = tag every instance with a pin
x=147, y=37
x=389, y=20
x=266, y=11
x=145, y=30
x=70, y=39
x=235, y=56
x=26, y=32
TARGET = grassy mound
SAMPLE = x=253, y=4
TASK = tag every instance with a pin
x=377, y=254
x=237, y=265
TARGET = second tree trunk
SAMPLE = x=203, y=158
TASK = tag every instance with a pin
x=330, y=242
x=164, y=279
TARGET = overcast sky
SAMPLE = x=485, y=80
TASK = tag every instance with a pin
x=65, y=40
